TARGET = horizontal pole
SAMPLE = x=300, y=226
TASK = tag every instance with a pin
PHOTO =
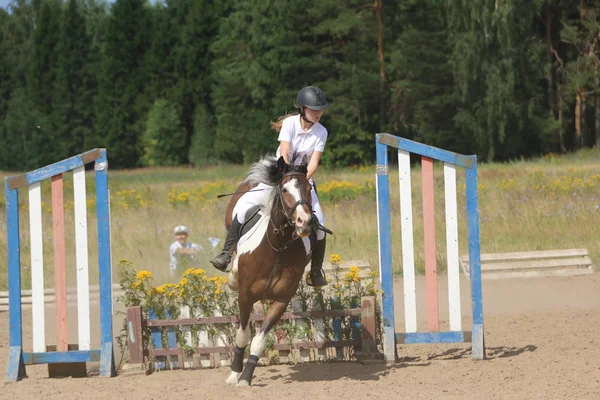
x=427, y=151
x=530, y=255
x=93, y=288
x=254, y=317
x=24, y=180
x=433, y=337
x=277, y=346
x=54, y=357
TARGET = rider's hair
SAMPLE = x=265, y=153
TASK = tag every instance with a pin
x=279, y=121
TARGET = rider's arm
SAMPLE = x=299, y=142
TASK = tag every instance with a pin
x=313, y=164
x=285, y=150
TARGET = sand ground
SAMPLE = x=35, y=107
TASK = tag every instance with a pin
x=542, y=342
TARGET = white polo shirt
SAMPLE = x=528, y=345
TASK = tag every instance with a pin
x=302, y=143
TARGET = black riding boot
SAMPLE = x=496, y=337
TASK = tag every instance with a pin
x=233, y=235
x=316, y=276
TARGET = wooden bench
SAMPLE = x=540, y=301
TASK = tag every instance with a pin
x=363, y=266
x=531, y=264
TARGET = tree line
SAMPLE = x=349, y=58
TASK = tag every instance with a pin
x=198, y=81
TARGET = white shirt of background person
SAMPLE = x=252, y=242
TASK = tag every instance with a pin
x=181, y=247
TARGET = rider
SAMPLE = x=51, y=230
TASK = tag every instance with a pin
x=300, y=134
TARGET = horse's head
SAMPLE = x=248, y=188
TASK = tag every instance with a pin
x=294, y=191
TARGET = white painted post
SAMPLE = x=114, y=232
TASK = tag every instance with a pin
x=408, y=256
x=204, y=341
x=303, y=354
x=452, y=247
x=221, y=340
x=187, y=334
x=81, y=257
x=37, y=268
x=319, y=331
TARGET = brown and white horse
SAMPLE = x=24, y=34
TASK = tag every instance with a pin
x=271, y=257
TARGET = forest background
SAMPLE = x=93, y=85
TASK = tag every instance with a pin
x=197, y=82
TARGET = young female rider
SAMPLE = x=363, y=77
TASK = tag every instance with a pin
x=300, y=135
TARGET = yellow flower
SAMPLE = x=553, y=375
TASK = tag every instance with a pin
x=184, y=281
x=188, y=271
x=199, y=272
x=335, y=259
x=136, y=284
x=143, y=274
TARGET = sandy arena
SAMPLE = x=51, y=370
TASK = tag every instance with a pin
x=542, y=342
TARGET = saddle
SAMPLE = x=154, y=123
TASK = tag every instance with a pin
x=252, y=217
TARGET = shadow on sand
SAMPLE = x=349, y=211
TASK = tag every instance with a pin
x=333, y=371
x=491, y=353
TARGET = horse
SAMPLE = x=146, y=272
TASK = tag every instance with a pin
x=270, y=263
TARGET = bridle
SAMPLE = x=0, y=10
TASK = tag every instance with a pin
x=288, y=214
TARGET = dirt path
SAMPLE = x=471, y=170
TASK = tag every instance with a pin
x=542, y=339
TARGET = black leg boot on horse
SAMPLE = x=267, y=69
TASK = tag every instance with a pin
x=316, y=276
x=221, y=261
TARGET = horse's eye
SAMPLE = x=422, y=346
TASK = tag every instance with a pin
x=284, y=190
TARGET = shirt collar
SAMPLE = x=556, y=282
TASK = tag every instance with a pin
x=299, y=127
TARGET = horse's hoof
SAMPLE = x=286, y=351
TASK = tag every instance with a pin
x=233, y=379
x=243, y=384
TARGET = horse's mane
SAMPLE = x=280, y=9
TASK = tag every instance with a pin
x=268, y=172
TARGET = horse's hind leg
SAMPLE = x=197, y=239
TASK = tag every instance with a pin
x=258, y=342
x=241, y=341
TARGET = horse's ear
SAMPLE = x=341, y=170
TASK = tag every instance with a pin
x=281, y=165
x=305, y=161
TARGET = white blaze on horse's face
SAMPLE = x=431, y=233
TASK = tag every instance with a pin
x=301, y=215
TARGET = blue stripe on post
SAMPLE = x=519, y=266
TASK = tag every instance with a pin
x=430, y=337
x=16, y=368
x=336, y=323
x=478, y=348
x=156, y=333
x=107, y=368
x=172, y=342
x=62, y=357
x=385, y=251
x=425, y=150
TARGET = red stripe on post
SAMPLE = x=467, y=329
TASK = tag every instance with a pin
x=60, y=275
x=429, y=234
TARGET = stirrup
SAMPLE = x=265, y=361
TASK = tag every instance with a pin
x=221, y=261
x=316, y=278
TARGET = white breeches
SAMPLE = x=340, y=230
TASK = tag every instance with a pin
x=251, y=199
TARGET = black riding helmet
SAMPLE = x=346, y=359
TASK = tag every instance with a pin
x=311, y=97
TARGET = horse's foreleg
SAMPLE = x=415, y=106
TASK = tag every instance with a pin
x=242, y=338
x=258, y=343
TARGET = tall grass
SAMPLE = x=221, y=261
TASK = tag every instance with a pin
x=553, y=202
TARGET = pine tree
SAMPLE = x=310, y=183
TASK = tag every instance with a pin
x=44, y=145
x=199, y=23
x=122, y=106
x=423, y=101
x=74, y=87
x=164, y=139
x=498, y=63
x=203, y=140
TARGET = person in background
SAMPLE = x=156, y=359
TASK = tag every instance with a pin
x=182, y=252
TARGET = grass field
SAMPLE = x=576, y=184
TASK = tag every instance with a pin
x=549, y=203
